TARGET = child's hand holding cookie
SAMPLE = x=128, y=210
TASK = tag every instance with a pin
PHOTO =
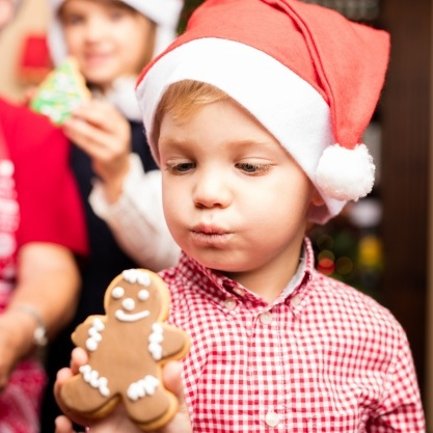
x=102, y=132
x=118, y=374
x=118, y=421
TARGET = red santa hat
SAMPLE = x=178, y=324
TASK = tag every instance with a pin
x=164, y=13
x=310, y=77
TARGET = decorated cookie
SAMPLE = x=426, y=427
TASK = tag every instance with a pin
x=62, y=90
x=126, y=350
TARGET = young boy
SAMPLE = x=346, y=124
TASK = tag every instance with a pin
x=243, y=113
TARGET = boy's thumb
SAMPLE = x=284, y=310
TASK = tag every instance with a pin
x=172, y=377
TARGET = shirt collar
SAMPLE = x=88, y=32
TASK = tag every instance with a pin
x=218, y=286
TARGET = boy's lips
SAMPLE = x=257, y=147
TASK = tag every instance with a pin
x=210, y=235
x=209, y=229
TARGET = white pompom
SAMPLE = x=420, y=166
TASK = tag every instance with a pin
x=345, y=174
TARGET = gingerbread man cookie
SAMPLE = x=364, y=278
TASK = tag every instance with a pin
x=126, y=350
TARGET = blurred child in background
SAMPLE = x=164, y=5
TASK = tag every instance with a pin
x=119, y=182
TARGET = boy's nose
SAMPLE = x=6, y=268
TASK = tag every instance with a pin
x=211, y=191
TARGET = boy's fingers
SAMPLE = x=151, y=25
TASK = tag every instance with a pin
x=172, y=377
x=63, y=425
x=78, y=358
x=63, y=375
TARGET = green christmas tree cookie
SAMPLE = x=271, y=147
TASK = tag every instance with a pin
x=62, y=90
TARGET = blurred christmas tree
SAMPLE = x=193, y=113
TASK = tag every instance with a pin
x=349, y=247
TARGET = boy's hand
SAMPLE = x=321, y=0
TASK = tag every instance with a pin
x=64, y=425
x=105, y=135
x=118, y=421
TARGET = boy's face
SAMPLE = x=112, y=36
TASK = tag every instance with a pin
x=108, y=39
x=233, y=198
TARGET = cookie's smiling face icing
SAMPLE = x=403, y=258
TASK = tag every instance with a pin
x=128, y=305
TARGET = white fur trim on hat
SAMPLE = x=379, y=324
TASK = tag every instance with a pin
x=345, y=174
x=286, y=105
x=164, y=13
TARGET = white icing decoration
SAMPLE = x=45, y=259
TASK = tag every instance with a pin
x=142, y=387
x=156, y=350
x=92, y=377
x=128, y=304
x=143, y=295
x=94, y=333
x=125, y=317
x=95, y=337
x=98, y=324
x=133, y=276
x=117, y=292
x=155, y=340
x=91, y=344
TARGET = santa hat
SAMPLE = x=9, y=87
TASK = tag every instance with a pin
x=164, y=13
x=309, y=76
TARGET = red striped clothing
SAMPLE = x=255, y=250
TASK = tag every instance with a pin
x=322, y=358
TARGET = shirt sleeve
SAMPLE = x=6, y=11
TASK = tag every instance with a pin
x=137, y=218
x=400, y=409
x=50, y=205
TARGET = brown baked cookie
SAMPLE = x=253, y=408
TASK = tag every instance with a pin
x=127, y=348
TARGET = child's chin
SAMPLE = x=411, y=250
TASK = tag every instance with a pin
x=223, y=265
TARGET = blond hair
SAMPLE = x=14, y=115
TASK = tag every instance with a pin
x=184, y=98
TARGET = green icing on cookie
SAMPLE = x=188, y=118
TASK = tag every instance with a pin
x=59, y=93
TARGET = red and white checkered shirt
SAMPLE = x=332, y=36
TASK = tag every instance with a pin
x=322, y=358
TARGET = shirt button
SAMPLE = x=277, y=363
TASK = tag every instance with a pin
x=266, y=318
x=239, y=291
x=272, y=419
x=230, y=304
